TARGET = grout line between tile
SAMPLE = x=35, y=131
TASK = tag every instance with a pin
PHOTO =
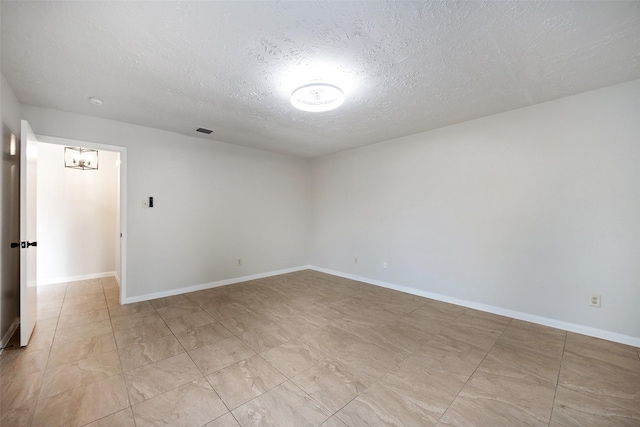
x=475, y=370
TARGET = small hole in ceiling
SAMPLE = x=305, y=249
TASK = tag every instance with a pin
x=94, y=100
x=204, y=130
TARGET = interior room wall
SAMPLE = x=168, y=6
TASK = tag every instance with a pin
x=10, y=258
x=215, y=203
x=527, y=212
x=77, y=217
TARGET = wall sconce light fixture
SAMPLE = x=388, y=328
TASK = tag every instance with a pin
x=80, y=158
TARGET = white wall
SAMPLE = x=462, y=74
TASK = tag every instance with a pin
x=215, y=203
x=529, y=210
x=77, y=215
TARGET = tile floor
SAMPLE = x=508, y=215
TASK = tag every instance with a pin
x=305, y=349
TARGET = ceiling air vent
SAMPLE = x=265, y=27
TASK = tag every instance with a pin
x=203, y=130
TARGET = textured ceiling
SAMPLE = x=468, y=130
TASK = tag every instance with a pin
x=405, y=67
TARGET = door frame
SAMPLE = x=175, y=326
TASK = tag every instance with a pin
x=123, y=195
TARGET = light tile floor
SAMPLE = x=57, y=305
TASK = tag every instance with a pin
x=305, y=349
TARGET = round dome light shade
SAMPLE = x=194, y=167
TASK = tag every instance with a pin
x=317, y=97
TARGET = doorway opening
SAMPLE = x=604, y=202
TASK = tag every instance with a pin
x=82, y=215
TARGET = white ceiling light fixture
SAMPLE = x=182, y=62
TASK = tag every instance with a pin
x=317, y=97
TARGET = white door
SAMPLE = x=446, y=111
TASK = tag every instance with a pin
x=28, y=239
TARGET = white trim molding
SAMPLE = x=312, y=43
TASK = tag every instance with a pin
x=210, y=285
x=58, y=280
x=545, y=321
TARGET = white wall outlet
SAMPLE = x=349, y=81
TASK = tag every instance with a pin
x=595, y=300
x=355, y=260
x=239, y=261
x=385, y=265
x=145, y=203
